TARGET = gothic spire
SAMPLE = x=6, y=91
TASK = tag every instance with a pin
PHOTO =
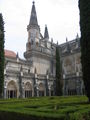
x=33, y=17
x=46, y=35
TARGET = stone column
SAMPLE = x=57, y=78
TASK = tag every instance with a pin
x=77, y=83
x=37, y=91
x=49, y=91
x=64, y=87
x=81, y=87
x=23, y=92
x=45, y=92
x=33, y=91
x=47, y=80
x=5, y=90
x=35, y=85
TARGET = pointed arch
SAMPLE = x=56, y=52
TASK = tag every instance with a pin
x=41, y=89
x=12, y=90
x=28, y=89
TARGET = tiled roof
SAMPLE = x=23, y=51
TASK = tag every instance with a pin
x=9, y=53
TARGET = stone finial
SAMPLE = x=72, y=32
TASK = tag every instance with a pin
x=66, y=39
x=33, y=2
x=21, y=70
x=77, y=36
x=46, y=34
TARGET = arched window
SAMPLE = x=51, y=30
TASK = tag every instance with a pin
x=72, y=87
x=28, y=90
x=68, y=66
x=41, y=89
x=11, y=90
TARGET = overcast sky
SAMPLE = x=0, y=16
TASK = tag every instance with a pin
x=60, y=16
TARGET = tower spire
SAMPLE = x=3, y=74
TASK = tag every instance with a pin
x=33, y=17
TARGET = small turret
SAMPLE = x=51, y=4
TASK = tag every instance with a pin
x=46, y=35
x=66, y=39
x=77, y=36
x=68, y=45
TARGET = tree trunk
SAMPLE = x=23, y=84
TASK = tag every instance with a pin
x=1, y=55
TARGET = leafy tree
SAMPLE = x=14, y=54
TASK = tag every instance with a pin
x=1, y=54
x=58, y=73
x=84, y=6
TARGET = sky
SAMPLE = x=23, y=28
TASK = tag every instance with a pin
x=60, y=16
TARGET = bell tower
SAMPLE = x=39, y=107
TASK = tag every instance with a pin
x=38, y=48
x=33, y=31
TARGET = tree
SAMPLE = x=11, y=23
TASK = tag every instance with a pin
x=84, y=6
x=1, y=54
x=58, y=74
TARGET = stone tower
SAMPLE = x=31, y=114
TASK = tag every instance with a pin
x=33, y=30
x=39, y=50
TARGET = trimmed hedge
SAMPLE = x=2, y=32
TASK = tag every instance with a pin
x=45, y=108
x=18, y=116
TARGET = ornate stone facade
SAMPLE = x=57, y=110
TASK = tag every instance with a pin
x=35, y=76
x=71, y=67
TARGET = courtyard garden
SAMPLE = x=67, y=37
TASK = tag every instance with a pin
x=45, y=108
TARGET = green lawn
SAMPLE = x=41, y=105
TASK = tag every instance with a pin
x=63, y=108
